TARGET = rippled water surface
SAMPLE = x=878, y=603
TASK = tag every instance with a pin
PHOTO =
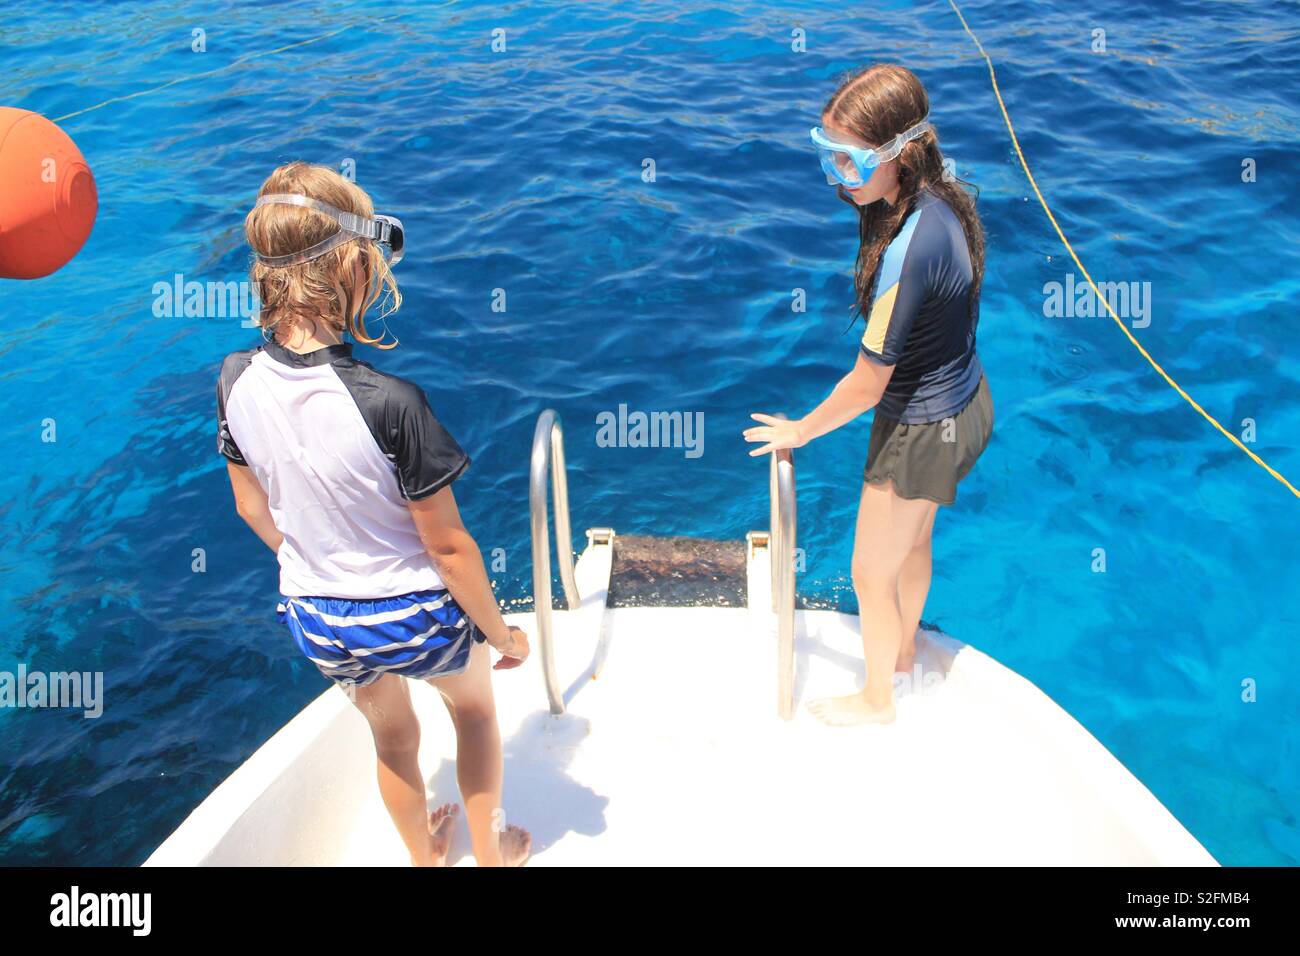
x=522, y=171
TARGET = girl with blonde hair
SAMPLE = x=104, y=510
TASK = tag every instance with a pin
x=345, y=473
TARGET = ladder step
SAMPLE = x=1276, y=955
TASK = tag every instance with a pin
x=659, y=571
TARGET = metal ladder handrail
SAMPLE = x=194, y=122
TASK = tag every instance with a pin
x=781, y=490
x=548, y=455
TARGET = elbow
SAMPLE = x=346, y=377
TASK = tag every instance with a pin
x=449, y=551
x=250, y=513
x=865, y=398
x=860, y=391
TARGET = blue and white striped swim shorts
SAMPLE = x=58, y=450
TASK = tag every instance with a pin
x=355, y=642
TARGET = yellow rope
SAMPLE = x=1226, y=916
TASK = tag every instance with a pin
x=1097, y=292
x=221, y=69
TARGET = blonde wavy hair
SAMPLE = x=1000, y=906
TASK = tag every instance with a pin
x=327, y=288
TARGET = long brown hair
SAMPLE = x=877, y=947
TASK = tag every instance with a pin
x=878, y=103
x=322, y=289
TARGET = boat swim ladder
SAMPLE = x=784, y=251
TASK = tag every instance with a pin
x=548, y=455
x=781, y=490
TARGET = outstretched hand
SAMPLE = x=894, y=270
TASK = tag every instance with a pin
x=776, y=433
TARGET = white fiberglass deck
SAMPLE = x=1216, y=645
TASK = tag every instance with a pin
x=676, y=755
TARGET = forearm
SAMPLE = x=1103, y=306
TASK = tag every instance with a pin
x=264, y=527
x=463, y=573
x=846, y=402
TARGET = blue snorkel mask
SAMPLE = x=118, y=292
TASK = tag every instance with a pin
x=852, y=166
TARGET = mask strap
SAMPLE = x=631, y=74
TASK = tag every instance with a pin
x=351, y=226
x=902, y=139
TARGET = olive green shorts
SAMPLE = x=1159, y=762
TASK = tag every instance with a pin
x=928, y=460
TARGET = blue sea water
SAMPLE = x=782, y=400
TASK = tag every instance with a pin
x=522, y=171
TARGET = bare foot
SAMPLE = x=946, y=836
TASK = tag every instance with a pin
x=440, y=826
x=851, y=710
x=516, y=846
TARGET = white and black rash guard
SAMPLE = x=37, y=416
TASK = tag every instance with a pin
x=337, y=445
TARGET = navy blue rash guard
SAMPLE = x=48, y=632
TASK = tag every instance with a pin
x=921, y=320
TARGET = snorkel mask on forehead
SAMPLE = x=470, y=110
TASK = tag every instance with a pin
x=852, y=166
x=384, y=230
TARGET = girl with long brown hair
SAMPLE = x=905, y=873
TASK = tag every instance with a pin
x=917, y=281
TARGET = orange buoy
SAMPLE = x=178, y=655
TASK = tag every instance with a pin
x=48, y=198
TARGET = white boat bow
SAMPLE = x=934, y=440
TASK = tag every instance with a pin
x=669, y=751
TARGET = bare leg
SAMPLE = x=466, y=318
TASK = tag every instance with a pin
x=888, y=528
x=479, y=770
x=913, y=587
x=386, y=705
